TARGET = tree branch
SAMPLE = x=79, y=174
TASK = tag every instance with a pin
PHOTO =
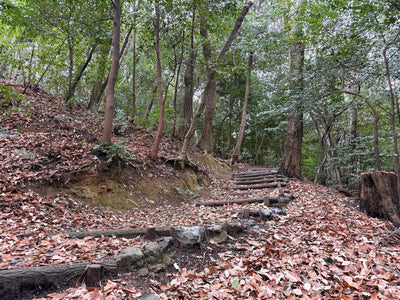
x=235, y=29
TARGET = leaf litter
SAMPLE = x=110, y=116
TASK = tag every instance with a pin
x=322, y=248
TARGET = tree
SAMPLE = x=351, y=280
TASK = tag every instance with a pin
x=291, y=161
x=209, y=95
x=205, y=141
x=239, y=141
x=161, y=102
x=112, y=78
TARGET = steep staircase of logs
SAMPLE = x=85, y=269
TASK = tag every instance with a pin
x=245, y=183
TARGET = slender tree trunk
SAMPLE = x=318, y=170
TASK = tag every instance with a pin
x=71, y=61
x=291, y=161
x=328, y=143
x=79, y=74
x=95, y=97
x=48, y=65
x=353, y=139
x=392, y=116
x=134, y=78
x=187, y=109
x=112, y=78
x=28, y=84
x=205, y=141
x=150, y=105
x=211, y=86
x=239, y=141
x=178, y=72
x=161, y=102
x=137, y=7
x=100, y=84
x=376, y=135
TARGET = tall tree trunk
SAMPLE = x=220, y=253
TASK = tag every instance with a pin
x=291, y=161
x=112, y=78
x=205, y=142
x=239, y=141
x=161, y=102
x=187, y=108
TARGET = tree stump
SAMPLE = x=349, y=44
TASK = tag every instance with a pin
x=94, y=275
x=379, y=195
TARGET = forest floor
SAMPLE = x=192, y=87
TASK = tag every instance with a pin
x=53, y=181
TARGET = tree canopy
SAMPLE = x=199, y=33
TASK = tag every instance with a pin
x=347, y=96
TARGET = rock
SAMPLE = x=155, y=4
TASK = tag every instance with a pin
x=166, y=243
x=190, y=235
x=217, y=234
x=153, y=253
x=278, y=211
x=234, y=228
x=130, y=259
x=250, y=223
x=267, y=213
x=149, y=296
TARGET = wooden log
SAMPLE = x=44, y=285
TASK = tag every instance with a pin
x=274, y=201
x=268, y=179
x=258, y=175
x=240, y=193
x=256, y=181
x=243, y=176
x=255, y=173
x=23, y=282
x=259, y=186
x=263, y=214
x=125, y=233
x=236, y=201
x=379, y=195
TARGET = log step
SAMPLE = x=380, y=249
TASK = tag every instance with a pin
x=260, y=186
x=255, y=181
x=275, y=201
x=256, y=173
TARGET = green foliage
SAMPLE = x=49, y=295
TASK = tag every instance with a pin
x=10, y=99
x=113, y=152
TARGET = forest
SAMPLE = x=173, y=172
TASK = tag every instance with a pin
x=199, y=149
x=311, y=86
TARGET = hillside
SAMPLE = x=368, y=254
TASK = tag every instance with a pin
x=53, y=180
